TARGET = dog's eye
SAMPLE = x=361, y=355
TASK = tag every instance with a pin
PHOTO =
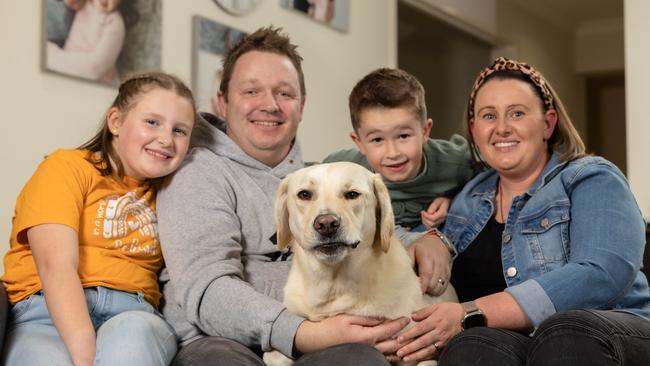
x=304, y=195
x=351, y=195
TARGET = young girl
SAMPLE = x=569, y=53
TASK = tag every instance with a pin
x=81, y=272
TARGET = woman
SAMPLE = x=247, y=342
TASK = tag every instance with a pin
x=550, y=243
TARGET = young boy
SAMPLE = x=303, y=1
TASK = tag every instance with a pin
x=391, y=131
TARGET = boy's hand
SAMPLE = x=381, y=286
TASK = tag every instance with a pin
x=436, y=213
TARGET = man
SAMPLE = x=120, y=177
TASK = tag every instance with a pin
x=225, y=275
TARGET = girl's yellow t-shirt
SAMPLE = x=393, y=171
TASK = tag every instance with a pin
x=115, y=221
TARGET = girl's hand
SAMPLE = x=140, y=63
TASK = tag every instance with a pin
x=437, y=324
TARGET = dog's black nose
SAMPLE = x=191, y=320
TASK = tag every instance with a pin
x=326, y=225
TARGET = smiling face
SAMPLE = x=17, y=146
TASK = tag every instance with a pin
x=510, y=127
x=264, y=105
x=152, y=137
x=391, y=140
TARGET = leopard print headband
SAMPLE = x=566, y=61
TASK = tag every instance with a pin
x=503, y=63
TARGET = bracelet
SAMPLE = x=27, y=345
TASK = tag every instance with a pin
x=443, y=238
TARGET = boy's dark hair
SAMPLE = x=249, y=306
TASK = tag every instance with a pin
x=387, y=88
x=133, y=87
x=267, y=39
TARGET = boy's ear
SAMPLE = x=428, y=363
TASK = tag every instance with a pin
x=426, y=129
x=358, y=142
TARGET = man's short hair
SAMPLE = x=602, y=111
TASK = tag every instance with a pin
x=387, y=88
x=266, y=39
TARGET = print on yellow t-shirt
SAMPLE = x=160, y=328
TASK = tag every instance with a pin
x=127, y=214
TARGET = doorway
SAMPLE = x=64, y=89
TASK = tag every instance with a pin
x=606, y=118
x=445, y=60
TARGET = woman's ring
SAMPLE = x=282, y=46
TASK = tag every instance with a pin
x=441, y=281
x=436, y=346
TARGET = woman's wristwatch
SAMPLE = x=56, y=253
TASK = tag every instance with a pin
x=473, y=316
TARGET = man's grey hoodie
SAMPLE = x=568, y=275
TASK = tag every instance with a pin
x=223, y=275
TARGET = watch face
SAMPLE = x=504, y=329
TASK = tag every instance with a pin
x=474, y=320
x=238, y=7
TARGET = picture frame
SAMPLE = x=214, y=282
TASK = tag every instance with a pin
x=101, y=42
x=333, y=13
x=211, y=40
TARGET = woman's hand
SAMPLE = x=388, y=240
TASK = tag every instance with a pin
x=313, y=336
x=436, y=325
x=433, y=261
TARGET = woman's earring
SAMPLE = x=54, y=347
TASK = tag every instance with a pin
x=114, y=130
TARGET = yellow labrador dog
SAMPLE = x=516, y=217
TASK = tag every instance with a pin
x=338, y=220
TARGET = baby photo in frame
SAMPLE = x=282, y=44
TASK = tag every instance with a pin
x=101, y=41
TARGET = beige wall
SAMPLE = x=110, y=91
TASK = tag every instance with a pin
x=550, y=49
x=41, y=111
x=637, y=81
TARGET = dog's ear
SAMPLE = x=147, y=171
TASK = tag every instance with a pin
x=282, y=214
x=385, y=228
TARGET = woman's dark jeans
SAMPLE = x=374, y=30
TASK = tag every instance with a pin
x=568, y=338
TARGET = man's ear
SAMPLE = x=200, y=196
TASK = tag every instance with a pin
x=302, y=105
x=222, y=103
x=426, y=130
x=357, y=141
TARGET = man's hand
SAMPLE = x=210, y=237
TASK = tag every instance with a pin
x=436, y=213
x=313, y=336
x=433, y=261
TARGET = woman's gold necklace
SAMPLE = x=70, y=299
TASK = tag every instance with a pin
x=501, y=208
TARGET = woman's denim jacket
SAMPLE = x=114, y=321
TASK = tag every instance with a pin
x=575, y=240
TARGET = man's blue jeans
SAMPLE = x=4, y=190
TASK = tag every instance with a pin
x=129, y=332
x=574, y=337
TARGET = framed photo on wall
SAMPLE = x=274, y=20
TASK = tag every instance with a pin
x=210, y=42
x=334, y=13
x=101, y=41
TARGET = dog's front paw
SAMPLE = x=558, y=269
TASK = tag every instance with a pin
x=275, y=358
x=427, y=363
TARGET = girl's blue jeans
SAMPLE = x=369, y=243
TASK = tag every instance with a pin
x=129, y=332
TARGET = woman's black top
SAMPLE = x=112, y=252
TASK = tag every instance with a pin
x=478, y=270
